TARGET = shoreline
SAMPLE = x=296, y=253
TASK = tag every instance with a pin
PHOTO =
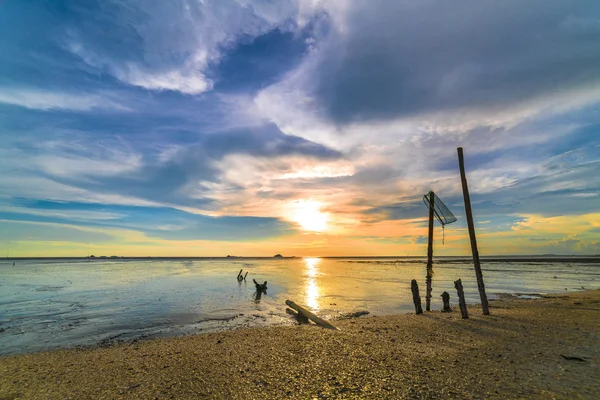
x=541, y=348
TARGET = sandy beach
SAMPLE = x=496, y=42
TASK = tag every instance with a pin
x=542, y=348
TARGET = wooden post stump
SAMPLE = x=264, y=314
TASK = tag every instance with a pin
x=260, y=287
x=461, y=298
x=416, y=298
x=446, y=300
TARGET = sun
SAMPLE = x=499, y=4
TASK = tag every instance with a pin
x=308, y=214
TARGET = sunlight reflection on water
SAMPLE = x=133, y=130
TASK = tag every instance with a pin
x=312, y=288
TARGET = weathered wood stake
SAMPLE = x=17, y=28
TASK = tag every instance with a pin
x=461, y=298
x=429, y=254
x=465, y=187
x=446, y=301
x=416, y=298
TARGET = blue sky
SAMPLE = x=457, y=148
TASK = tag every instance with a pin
x=301, y=127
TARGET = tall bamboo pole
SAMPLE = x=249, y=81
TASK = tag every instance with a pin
x=429, y=253
x=465, y=187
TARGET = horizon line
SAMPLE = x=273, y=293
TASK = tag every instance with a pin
x=293, y=257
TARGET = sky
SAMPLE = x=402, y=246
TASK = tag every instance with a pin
x=300, y=127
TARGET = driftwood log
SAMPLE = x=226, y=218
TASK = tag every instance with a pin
x=461, y=298
x=307, y=314
x=416, y=297
x=301, y=318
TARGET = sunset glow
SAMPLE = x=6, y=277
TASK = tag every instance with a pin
x=308, y=215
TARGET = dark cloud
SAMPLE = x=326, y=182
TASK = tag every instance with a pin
x=398, y=58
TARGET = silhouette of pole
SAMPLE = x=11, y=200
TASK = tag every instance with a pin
x=465, y=187
x=429, y=254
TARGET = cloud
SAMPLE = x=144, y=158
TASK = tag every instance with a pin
x=420, y=240
x=15, y=231
x=571, y=245
x=131, y=41
x=154, y=222
x=44, y=100
x=395, y=72
x=184, y=176
x=407, y=58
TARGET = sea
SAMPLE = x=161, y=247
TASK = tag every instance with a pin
x=48, y=304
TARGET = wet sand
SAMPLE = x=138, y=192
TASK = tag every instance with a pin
x=543, y=348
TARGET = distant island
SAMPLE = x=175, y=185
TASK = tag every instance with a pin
x=277, y=256
x=105, y=257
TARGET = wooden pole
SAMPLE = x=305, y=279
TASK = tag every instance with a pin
x=416, y=298
x=429, y=253
x=461, y=298
x=465, y=187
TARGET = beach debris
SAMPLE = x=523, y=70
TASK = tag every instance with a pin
x=461, y=298
x=471, y=225
x=310, y=315
x=299, y=317
x=416, y=297
x=260, y=287
x=241, y=277
x=446, y=301
x=573, y=358
x=444, y=216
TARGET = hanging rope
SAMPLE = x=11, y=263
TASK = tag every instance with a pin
x=443, y=233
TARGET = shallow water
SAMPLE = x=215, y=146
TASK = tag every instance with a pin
x=47, y=304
